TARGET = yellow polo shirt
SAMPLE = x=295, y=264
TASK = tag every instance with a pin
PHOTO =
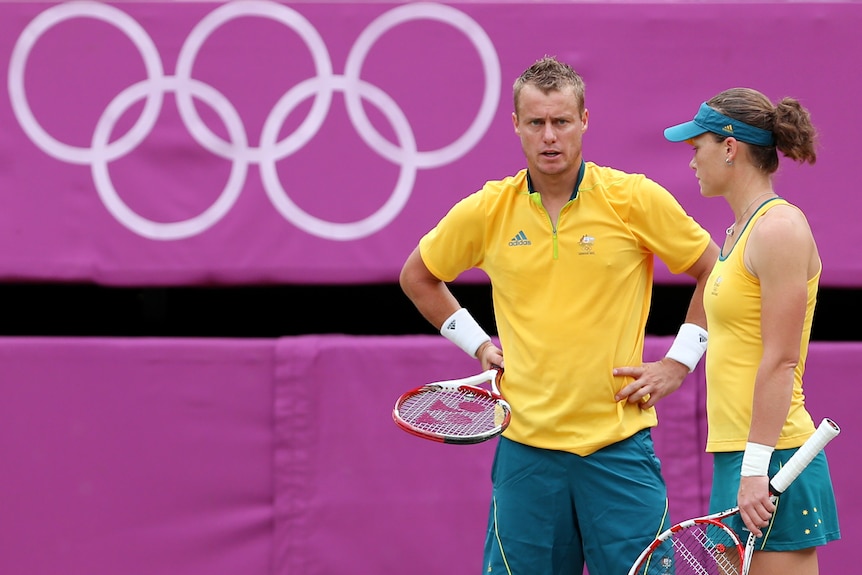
x=570, y=303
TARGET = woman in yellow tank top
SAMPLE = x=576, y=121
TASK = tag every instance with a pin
x=759, y=302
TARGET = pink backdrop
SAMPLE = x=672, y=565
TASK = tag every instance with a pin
x=279, y=457
x=181, y=143
x=146, y=143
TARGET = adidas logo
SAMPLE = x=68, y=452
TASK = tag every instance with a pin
x=700, y=338
x=728, y=128
x=451, y=325
x=520, y=239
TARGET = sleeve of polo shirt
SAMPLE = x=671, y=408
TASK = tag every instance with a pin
x=664, y=227
x=457, y=242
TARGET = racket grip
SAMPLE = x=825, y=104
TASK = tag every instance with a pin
x=495, y=381
x=826, y=432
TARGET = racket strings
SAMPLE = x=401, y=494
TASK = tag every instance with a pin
x=705, y=551
x=451, y=412
x=696, y=550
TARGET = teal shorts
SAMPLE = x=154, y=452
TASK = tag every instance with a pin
x=553, y=511
x=805, y=515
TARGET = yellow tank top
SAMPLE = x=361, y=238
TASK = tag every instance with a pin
x=732, y=304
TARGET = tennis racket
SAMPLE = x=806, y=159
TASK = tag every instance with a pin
x=705, y=545
x=455, y=411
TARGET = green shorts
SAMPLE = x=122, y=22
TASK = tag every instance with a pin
x=554, y=511
x=805, y=515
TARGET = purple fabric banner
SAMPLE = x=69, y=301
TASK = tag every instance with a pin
x=141, y=457
x=280, y=457
x=158, y=143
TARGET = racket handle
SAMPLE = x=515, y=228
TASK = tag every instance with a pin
x=495, y=381
x=826, y=432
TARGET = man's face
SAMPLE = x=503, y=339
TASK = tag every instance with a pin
x=551, y=128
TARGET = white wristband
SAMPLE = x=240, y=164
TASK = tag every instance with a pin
x=461, y=329
x=755, y=460
x=689, y=345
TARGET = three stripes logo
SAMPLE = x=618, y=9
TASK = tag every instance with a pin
x=520, y=239
x=728, y=128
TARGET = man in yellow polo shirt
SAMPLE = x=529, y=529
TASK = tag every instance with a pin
x=569, y=248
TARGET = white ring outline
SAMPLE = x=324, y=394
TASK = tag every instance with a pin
x=120, y=210
x=290, y=18
x=17, y=94
x=475, y=33
x=102, y=151
x=333, y=230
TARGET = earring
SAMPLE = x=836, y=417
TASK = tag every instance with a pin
x=728, y=161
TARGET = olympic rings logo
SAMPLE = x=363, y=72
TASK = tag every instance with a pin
x=238, y=150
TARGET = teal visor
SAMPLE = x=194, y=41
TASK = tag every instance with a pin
x=710, y=120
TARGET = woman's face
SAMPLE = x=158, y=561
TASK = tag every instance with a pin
x=709, y=165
